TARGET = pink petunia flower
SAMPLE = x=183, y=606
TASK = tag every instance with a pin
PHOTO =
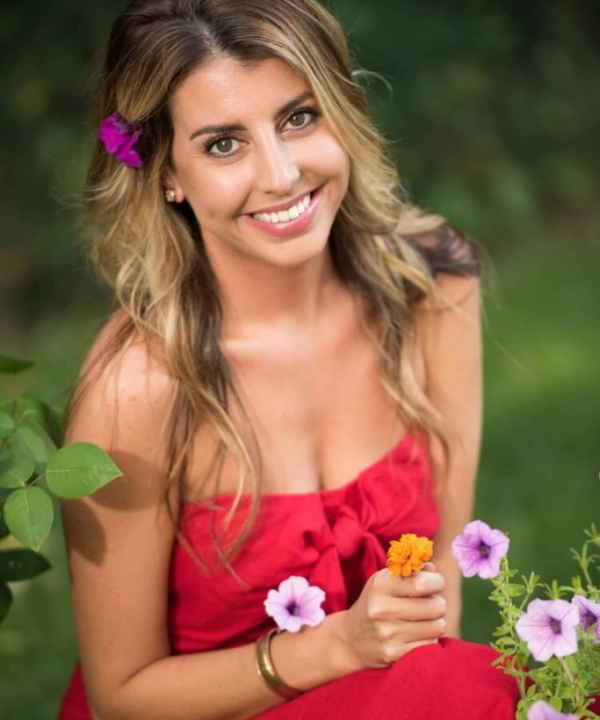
x=589, y=614
x=479, y=550
x=119, y=137
x=295, y=603
x=549, y=628
x=540, y=710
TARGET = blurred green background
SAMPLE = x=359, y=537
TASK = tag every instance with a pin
x=493, y=115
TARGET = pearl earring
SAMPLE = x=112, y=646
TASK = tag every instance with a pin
x=170, y=195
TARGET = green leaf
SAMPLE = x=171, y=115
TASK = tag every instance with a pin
x=568, y=693
x=38, y=443
x=571, y=661
x=80, y=469
x=7, y=424
x=21, y=564
x=36, y=412
x=16, y=467
x=29, y=411
x=577, y=584
x=6, y=599
x=515, y=589
x=522, y=658
x=554, y=664
x=28, y=513
x=10, y=366
x=556, y=703
x=501, y=658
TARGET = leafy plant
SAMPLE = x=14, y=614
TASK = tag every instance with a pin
x=551, y=647
x=32, y=469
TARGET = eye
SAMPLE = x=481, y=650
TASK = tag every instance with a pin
x=300, y=113
x=223, y=143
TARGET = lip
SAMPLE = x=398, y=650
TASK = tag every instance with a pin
x=284, y=206
x=293, y=227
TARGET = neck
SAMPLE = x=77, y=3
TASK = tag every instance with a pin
x=258, y=297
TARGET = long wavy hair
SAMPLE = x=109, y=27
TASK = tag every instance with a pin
x=151, y=252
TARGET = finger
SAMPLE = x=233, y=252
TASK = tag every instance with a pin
x=417, y=585
x=423, y=630
x=429, y=566
x=413, y=609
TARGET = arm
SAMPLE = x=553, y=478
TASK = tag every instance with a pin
x=119, y=543
x=453, y=358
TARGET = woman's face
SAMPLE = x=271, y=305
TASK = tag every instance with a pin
x=280, y=153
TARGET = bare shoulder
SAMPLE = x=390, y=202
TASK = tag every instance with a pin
x=448, y=327
x=455, y=292
x=124, y=408
x=119, y=540
x=126, y=396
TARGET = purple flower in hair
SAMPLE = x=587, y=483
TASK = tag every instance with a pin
x=119, y=138
x=589, y=614
x=479, y=550
x=549, y=628
x=540, y=710
x=295, y=603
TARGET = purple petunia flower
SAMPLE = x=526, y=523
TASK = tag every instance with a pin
x=479, y=549
x=295, y=603
x=549, y=628
x=540, y=710
x=589, y=614
x=119, y=137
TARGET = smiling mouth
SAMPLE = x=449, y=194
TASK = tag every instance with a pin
x=291, y=213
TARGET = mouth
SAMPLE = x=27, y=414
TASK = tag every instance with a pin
x=285, y=216
x=290, y=222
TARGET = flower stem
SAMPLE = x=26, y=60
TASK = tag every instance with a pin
x=569, y=674
x=558, y=687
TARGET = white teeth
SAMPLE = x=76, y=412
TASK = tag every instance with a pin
x=285, y=215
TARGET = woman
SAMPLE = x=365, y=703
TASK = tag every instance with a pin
x=291, y=380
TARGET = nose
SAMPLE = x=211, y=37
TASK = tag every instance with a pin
x=277, y=169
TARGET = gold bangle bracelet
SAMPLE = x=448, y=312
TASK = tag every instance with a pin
x=267, y=671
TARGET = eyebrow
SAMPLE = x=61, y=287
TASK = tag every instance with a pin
x=237, y=127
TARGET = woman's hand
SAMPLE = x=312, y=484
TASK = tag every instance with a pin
x=392, y=616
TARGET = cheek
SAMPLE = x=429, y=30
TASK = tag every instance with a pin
x=331, y=153
x=331, y=158
x=221, y=193
x=212, y=191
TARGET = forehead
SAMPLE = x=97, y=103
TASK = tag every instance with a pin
x=227, y=91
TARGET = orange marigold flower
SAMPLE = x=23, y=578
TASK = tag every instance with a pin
x=408, y=554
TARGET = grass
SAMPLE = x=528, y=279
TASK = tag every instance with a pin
x=540, y=457
x=539, y=464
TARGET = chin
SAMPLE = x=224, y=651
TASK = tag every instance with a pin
x=299, y=251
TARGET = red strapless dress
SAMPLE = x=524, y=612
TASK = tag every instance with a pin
x=336, y=539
